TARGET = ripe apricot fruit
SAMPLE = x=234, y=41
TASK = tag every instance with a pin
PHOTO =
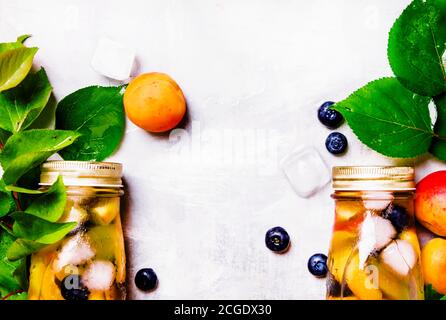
x=430, y=202
x=154, y=102
x=433, y=261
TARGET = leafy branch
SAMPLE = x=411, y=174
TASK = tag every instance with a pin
x=29, y=218
x=391, y=115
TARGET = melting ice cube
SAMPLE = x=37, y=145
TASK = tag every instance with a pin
x=76, y=250
x=376, y=233
x=378, y=204
x=99, y=275
x=113, y=60
x=306, y=171
x=399, y=256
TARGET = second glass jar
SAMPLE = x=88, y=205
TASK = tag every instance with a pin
x=374, y=252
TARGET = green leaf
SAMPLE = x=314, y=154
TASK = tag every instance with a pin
x=21, y=248
x=7, y=203
x=4, y=136
x=14, y=66
x=23, y=38
x=20, y=106
x=28, y=149
x=14, y=45
x=21, y=273
x=29, y=181
x=30, y=227
x=97, y=113
x=389, y=118
x=6, y=228
x=438, y=147
x=21, y=295
x=431, y=294
x=51, y=205
x=9, y=282
x=417, y=42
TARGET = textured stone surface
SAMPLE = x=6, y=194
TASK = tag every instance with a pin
x=254, y=73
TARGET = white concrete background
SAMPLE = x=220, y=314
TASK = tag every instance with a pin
x=254, y=73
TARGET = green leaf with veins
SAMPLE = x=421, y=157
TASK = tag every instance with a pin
x=21, y=248
x=97, y=113
x=10, y=280
x=28, y=149
x=50, y=206
x=14, y=66
x=30, y=227
x=14, y=45
x=417, y=43
x=20, y=106
x=389, y=118
x=438, y=147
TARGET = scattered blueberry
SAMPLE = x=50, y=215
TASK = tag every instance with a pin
x=317, y=265
x=397, y=215
x=72, y=288
x=277, y=240
x=146, y=279
x=328, y=117
x=336, y=143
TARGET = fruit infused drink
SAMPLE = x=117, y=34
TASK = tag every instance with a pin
x=89, y=263
x=374, y=252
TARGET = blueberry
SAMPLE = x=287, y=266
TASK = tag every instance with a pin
x=317, y=265
x=146, y=279
x=328, y=117
x=397, y=215
x=72, y=288
x=277, y=240
x=336, y=143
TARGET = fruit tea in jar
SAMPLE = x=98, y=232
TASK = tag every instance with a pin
x=89, y=263
x=374, y=252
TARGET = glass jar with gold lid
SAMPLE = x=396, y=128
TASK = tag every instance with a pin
x=374, y=252
x=89, y=263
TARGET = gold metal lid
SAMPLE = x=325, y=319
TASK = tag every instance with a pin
x=373, y=178
x=82, y=173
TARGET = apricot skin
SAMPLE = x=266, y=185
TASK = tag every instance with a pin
x=154, y=102
x=433, y=260
x=430, y=202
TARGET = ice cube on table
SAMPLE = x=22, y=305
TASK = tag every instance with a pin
x=306, y=171
x=113, y=60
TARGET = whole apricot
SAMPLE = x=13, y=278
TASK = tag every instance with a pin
x=433, y=262
x=430, y=202
x=154, y=102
